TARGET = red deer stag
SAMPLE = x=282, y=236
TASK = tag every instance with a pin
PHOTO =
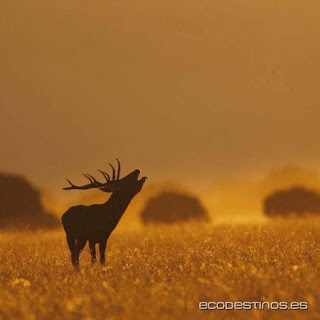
x=96, y=222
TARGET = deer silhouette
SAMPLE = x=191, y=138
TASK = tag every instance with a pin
x=96, y=222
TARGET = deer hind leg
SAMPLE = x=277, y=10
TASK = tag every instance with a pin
x=73, y=249
x=102, y=250
x=92, y=247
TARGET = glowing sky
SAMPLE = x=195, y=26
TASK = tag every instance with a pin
x=190, y=91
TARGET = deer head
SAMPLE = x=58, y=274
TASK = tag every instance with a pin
x=129, y=185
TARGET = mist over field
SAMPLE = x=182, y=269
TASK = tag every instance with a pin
x=214, y=101
x=238, y=199
x=194, y=92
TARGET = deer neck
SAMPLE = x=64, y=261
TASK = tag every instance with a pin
x=118, y=203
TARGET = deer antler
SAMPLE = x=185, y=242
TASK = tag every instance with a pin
x=119, y=169
x=107, y=186
x=107, y=177
x=113, y=171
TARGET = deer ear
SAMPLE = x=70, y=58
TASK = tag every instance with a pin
x=106, y=189
x=110, y=188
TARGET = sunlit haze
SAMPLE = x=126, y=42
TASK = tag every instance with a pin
x=211, y=95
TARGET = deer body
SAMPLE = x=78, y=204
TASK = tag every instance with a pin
x=96, y=222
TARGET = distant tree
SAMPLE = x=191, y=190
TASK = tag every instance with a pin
x=20, y=204
x=172, y=206
x=296, y=200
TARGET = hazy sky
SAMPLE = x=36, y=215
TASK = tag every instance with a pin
x=190, y=91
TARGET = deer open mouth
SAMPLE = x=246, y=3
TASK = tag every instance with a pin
x=143, y=179
x=136, y=173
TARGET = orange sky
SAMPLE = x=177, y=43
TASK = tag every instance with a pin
x=191, y=91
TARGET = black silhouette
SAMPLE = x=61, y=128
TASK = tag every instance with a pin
x=96, y=222
x=296, y=200
x=169, y=207
x=21, y=204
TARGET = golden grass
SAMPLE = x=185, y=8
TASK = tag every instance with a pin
x=163, y=273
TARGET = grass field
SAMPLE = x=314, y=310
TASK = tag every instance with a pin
x=163, y=273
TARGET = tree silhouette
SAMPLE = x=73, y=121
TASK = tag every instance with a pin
x=20, y=204
x=172, y=206
x=296, y=200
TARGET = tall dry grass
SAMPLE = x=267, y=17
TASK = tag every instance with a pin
x=163, y=273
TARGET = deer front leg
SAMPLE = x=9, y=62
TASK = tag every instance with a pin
x=102, y=249
x=92, y=247
x=75, y=257
x=77, y=250
x=81, y=244
x=74, y=250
